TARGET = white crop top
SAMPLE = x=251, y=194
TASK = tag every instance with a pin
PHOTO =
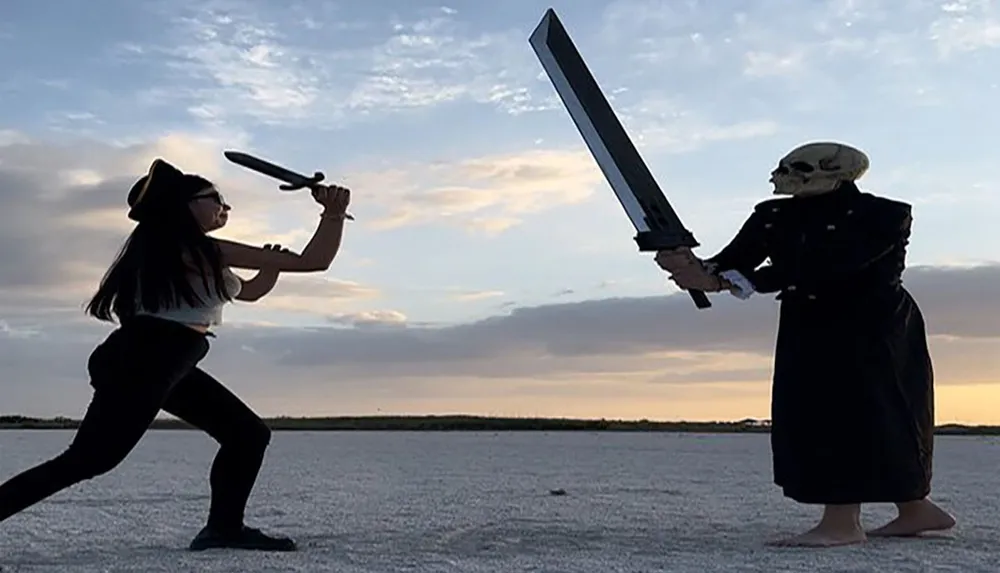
x=207, y=313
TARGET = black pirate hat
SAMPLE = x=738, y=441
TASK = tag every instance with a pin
x=163, y=187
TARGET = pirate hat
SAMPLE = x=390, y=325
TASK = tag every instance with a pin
x=163, y=185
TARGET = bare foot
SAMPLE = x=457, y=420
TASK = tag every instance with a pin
x=915, y=518
x=823, y=537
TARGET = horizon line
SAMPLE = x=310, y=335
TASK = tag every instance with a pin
x=747, y=421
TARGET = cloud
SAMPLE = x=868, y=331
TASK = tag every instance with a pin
x=626, y=329
x=819, y=53
x=637, y=347
x=955, y=299
x=476, y=295
x=762, y=64
x=322, y=296
x=250, y=61
x=7, y=331
x=10, y=137
x=437, y=60
x=608, y=335
x=491, y=194
x=370, y=319
x=487, y=194
x=494, y=193
x=965, y=26
x=224, y=63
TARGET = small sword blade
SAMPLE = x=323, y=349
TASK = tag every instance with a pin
x=295, y=180
x=267, y=168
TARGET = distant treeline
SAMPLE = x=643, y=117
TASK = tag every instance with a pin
x=474, y=424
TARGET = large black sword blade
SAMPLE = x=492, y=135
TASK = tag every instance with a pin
x=657, y=225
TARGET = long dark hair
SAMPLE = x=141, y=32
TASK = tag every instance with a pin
x=154, y=265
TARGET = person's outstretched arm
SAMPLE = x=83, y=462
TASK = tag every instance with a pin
x=262, y=283
x=744, y=253
x=318, y=253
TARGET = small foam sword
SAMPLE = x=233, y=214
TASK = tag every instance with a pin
x=294, y=181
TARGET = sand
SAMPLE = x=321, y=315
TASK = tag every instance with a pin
x=481, y=502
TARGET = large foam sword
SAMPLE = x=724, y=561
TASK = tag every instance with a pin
x=657, y=225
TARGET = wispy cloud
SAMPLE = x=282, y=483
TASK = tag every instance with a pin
x=489, y=193
x=477, y=295
x=370, y=319
x=251, y=61
x=8, y=331
x=825, y=47
x=438, y=60
x=664, y=125
x=966, y=25
x=10, y=137
x=317, y=295
x=761, y=64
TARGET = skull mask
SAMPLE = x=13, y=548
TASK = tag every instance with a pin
x=816, y=168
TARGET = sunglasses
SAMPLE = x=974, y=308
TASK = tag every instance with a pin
x=214, y=196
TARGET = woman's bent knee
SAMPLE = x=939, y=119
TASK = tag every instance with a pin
x=260, y=436
x=255, y=437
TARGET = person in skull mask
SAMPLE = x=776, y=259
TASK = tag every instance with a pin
x=852, y=402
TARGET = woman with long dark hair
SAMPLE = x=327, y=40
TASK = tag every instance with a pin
x=167, y=288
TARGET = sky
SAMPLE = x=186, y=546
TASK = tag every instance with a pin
x=490, y=270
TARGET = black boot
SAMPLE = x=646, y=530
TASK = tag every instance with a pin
x=240, y=538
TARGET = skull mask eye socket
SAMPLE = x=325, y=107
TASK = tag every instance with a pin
x=797, y=166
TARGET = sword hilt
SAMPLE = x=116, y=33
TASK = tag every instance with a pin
x=280, y=173
x=700, y=299
x=664, y=240
x=308, y=182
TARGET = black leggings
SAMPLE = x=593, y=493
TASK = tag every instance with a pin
x=147, y=365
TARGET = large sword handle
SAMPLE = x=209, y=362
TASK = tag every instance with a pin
x=700, y=299
x=658, y=240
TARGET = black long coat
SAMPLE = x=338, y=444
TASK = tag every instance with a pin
x=852, y=400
